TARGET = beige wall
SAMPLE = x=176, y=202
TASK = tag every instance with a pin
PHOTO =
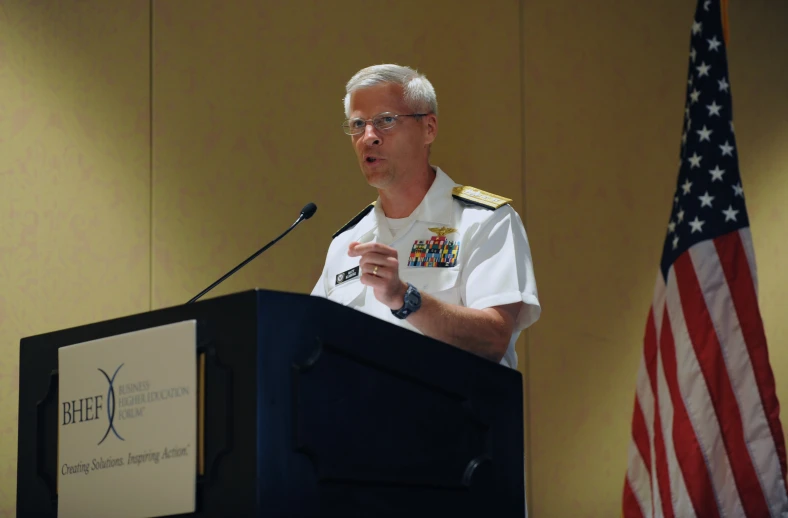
x=603, y=109
x=246, y=123
x=604, y=101
x=74, y=178
x=118, y=194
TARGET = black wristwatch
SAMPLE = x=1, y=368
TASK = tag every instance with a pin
x=412, y=303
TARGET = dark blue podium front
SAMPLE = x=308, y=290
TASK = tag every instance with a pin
x=312, y=409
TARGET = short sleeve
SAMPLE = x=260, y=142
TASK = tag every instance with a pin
x=499, y=269
x=319, y=290
x=320, y=286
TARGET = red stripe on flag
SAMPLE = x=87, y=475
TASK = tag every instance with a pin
x=640, y=435
x=650, y=353
x=685, y=443
x=738, y=275
x=707, y=350
x=650, y=359
x=663, y=475
x=660, y=457
x=631, y=508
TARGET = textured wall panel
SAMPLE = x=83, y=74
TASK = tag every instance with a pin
x=604, y=103
x=247, y=114
x=74, y=178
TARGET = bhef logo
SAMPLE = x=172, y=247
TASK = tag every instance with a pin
x=87, y=409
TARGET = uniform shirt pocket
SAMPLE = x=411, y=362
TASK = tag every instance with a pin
x=347, y=292
x=441, y=283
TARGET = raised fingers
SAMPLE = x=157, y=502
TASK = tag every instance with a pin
x=355, y=250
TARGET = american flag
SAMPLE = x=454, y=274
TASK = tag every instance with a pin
x=706, y=436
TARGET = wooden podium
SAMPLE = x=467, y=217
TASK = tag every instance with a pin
x=311, y=409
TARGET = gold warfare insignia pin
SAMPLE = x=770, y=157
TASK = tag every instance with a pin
x=442, y=231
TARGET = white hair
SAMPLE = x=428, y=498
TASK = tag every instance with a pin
x=419, y=93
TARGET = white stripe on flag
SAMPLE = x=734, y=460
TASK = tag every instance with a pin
x=637, y=474
x=746, y=241
x=682, y=506
x=658, y=303
x=757, y=434
x=699, y=406
x=658, y=306
x=646, y=400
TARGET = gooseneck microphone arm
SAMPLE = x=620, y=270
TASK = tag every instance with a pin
x=307, y=212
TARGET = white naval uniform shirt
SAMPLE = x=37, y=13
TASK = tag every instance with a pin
x=492, y=267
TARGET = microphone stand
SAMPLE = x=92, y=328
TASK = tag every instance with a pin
x=301, y=218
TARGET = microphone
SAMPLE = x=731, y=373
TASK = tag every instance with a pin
x=307, y=212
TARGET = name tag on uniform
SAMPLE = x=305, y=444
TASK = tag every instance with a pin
x=348, y=275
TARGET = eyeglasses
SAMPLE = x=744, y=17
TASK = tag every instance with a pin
x=382, y=121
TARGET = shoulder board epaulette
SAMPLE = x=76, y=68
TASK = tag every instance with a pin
x=353, y=222
x=478, y=197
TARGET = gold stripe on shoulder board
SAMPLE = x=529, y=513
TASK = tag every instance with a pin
x=479, y=197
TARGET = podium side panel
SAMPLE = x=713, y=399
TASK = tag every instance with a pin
x=37, y=440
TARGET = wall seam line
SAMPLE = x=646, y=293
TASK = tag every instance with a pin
x=527, y=332
x=150, y=158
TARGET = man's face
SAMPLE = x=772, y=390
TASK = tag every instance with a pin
x=390, y=156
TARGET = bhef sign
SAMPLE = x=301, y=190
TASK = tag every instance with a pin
x=155, y=404
x=81, y=410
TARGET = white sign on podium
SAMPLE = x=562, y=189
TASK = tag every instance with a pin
x=127, y=414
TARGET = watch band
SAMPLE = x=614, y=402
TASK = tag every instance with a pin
x=411, y=303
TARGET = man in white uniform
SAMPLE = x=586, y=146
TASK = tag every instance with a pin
x=445, y=260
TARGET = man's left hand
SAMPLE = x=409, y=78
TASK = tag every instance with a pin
x=379, y=266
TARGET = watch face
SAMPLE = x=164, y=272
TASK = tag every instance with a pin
x=412, y=298
x=412, y=302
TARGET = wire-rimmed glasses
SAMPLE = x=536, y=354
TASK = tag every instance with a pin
x=381, y=121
